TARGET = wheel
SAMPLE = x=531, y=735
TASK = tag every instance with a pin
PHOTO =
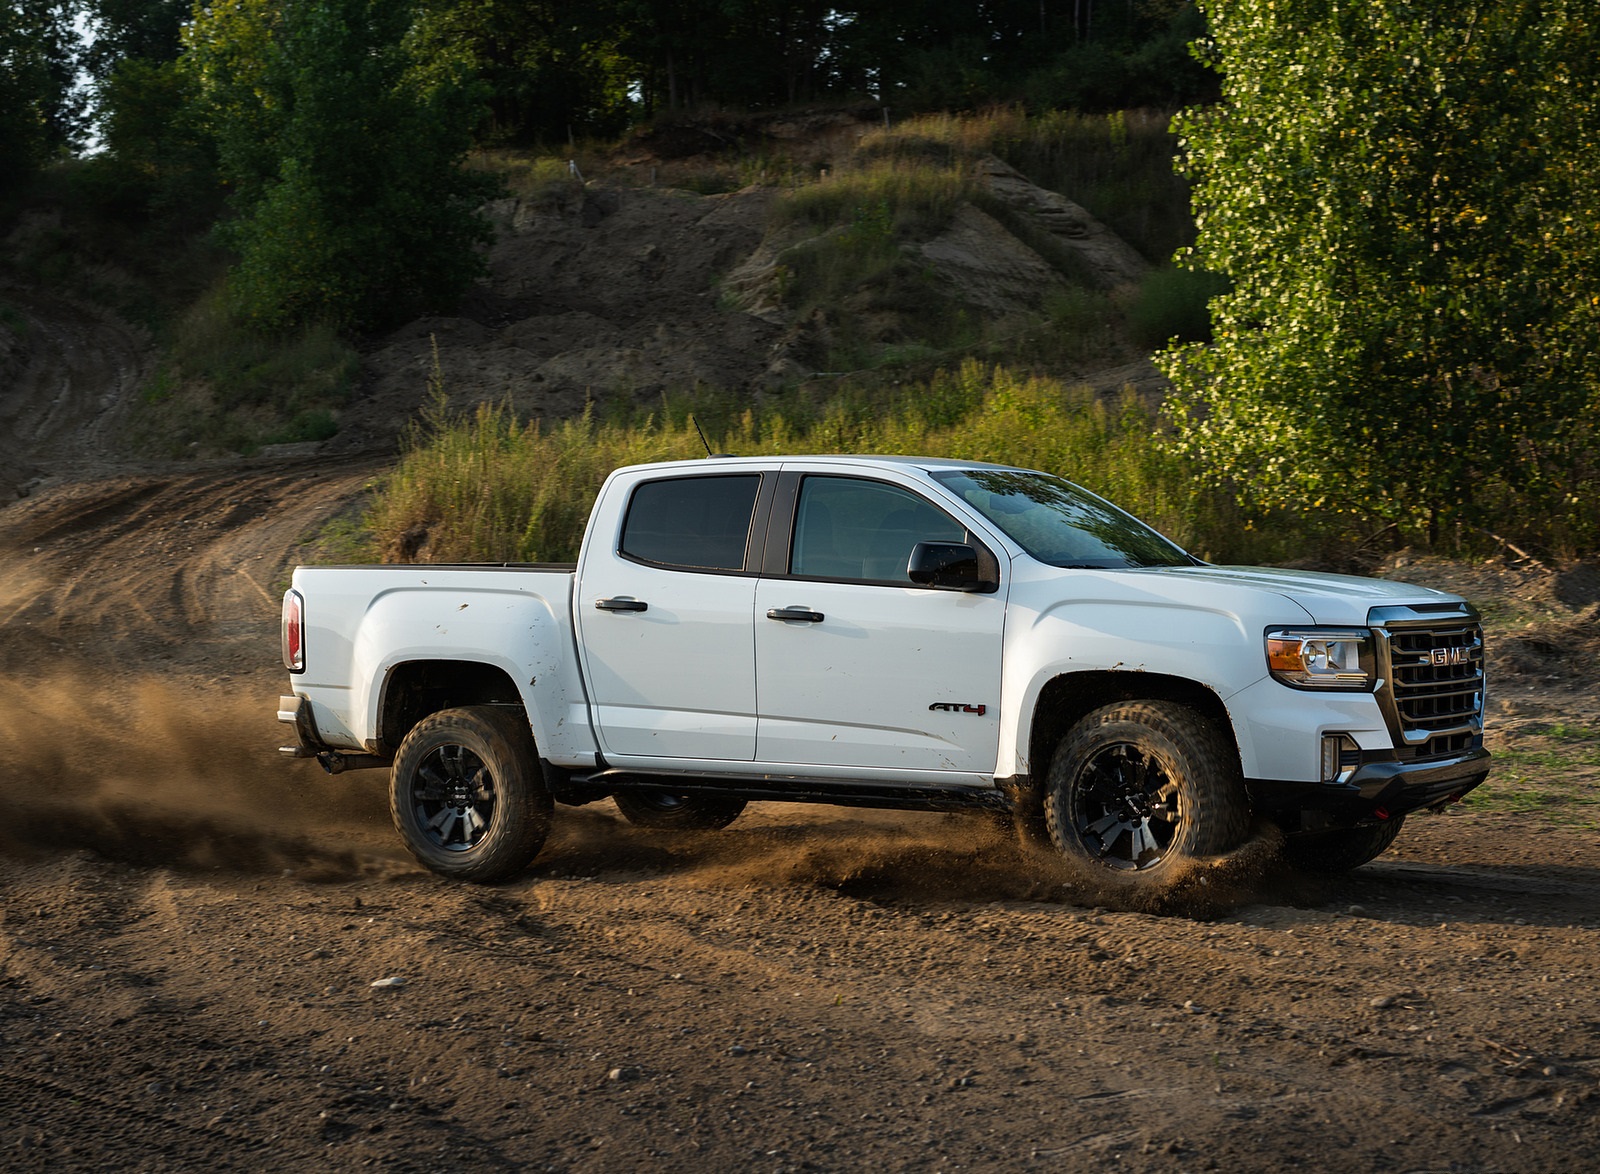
x=1342, y=850
x=467, y=793
x=677, y=812
x=1136, y=787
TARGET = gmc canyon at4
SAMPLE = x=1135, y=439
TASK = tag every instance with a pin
x=889, y=632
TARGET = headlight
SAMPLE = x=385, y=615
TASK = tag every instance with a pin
x=1321, y=658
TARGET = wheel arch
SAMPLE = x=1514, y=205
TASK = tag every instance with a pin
x=1067, y=698
x=413, y=689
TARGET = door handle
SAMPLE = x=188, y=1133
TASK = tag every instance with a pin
x=794, y=613
x=621, y=605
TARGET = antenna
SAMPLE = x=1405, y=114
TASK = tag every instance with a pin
x=703, y=439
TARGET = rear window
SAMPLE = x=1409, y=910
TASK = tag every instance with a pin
x=693, y=523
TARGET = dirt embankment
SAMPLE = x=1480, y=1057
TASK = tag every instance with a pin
x=214, y=959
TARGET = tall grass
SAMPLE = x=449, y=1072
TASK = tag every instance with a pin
x=226, y=387
x=1118, y=166
x=485, y=486
x=916, y=197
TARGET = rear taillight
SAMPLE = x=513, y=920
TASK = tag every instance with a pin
x=294, y=632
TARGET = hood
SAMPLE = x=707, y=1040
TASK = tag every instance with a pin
x=1327, y=599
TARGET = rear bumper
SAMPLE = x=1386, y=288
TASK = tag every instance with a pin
x=1381, y=788
x=295, y=711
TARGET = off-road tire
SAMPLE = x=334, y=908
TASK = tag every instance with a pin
x=467, y=794
x=1342, y=850
x=670, y=811
x=1137, y=787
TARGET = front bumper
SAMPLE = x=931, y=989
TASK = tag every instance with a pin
x=1381, y=788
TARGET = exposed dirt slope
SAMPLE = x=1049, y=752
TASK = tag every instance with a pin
x=600, y=290
x=68, y=371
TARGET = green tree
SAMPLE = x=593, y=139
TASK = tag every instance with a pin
x=41, y=110
x=344, y=153
x=1406, y=198
x=147, y=30
x=549, y=68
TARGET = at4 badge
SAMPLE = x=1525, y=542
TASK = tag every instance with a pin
x=958, y=707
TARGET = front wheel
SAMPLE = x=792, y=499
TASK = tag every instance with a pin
x=467, y=793
x=1342, y=850
x=1136, y=787
x=677, y=811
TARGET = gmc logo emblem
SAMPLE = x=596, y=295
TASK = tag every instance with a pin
x=1442, y=657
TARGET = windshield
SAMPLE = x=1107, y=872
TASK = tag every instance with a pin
x=1058, y=523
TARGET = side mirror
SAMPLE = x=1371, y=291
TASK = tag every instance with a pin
x=950, y=566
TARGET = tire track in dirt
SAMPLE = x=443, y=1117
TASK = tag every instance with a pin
x=71, y=375
x=148, y=566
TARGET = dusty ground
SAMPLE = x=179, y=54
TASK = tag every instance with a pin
x=214, y=959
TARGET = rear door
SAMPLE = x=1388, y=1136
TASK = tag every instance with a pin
x=665, y=620
x=855, y=665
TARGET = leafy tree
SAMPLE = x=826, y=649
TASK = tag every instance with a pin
x=344, y=153
x=1406, y=198
x=41, y=111
x=549, y=67
x=145, y=30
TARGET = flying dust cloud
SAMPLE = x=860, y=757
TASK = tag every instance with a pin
x=157, y=774
x=152, y=773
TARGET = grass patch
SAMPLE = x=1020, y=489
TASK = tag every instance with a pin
x=861, y=274
x=1118, y=166
x=906, y=199
x=537, y=179
x=227, y=388
x=485, y=486
x=1553, y=773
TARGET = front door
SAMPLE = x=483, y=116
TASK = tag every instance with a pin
x=856, y=666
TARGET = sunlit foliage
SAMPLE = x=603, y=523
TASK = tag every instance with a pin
x=344, y=152
x=1407, y=201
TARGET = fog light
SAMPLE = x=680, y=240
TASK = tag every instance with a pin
x=1340, y=757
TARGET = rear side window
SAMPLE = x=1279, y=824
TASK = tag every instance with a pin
x=695, y=523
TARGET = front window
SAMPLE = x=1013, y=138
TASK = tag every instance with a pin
x=1059, y=523
x=849, y=528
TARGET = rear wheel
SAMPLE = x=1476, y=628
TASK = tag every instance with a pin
x=467, y=793
x=1342, y=850
x=677, y=811
x=1137, y=787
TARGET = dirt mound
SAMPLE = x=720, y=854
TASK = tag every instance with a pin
x=602, y=292
x=70, y=372
x=180, y=568
x=598, y=290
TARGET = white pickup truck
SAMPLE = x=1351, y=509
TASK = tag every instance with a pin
x=887, y=632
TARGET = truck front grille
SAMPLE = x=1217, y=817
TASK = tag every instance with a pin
x=1434, y=681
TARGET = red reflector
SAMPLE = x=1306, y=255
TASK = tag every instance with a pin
x=1382, y=813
